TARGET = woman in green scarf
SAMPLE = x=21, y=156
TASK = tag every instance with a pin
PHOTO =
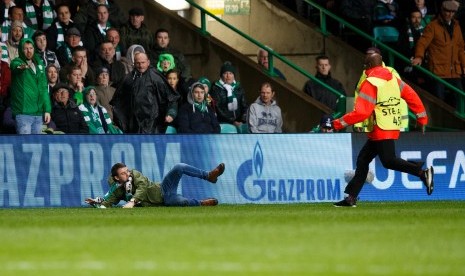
x=95, y=115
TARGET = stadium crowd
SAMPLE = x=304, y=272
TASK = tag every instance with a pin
x=88, y=67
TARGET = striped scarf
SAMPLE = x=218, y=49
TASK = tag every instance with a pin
x=411, y=36
x=47, y=12
x=6, y=26
x=103, y=31
x=231, y=95
x=5, y=57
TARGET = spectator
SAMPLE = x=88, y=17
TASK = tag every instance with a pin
x=113, y=36
x=128, y=60
x=72, y=4
x=135, y=31
x=144, y=102
x=172, y=76
x=427, y=9
x=56, y=33
x=5, y=6
x=47, y=56
x=30, y=101
x=196, y=116
x=4, y=52
x=40, y=12
x=262, y=59
x=96, y=31
x=443, y=40
x=15, y=36
x=87, y=14
x=105, y=92
x=264, y=115
x=5, y=82
x=320, y=93
x=411, y=33
x=79, y=59
x=163, y=46
x=359, y=13
x=386, y=13
x=52, y=78
x=207, y=85
x=133, y=187
x=16, y=13
x=231, y=106
x=96, y=116
x=75, y=85
x=65, y=51
x=106, y=58
x=165, y=63
x=65, y=112
x=325, y=125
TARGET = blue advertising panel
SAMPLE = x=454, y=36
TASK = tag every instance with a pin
x=63, y=170
x=443, y=151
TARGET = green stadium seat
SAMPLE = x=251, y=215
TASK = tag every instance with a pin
x=171, y=130
x=386, y=34
x=228, y=128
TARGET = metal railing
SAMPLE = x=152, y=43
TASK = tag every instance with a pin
x=392, y=54
x=341, y=104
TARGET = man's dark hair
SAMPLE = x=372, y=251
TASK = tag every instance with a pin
x=320, y=57
x=37, y=34
x=79, y=49
x=116, y=167
x=161, y=30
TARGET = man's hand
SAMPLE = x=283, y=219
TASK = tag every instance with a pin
x=130, y=204
x=416, y=61
x=47, y=118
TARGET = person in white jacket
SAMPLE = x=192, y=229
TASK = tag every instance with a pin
x=264, y=115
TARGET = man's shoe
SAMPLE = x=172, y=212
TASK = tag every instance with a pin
x=428, y=180
x=213, y=175
x=348, y=201
x=209, y=202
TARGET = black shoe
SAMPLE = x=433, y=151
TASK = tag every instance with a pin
x=348, y=201
x=428, y=180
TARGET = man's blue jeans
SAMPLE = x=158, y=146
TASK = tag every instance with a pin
x=169, y=185
x=28, y=124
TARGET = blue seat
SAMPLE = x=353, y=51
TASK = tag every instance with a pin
x=171, y=130
x=228, y=128
x=386, y=34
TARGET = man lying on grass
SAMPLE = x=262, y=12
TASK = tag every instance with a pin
x=137, y=190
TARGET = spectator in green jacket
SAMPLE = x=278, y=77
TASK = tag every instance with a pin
x=30, y=101
x=137, y=190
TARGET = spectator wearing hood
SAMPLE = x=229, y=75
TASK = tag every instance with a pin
x=105, y=91
x=264, y=115
x=165, y=63
x=96, y=116
x=128, y=59
x=196, y=116
x=14, y=37
x=30, y=102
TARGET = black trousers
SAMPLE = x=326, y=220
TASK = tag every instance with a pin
x=385, y=149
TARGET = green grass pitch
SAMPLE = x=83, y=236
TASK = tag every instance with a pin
x=387, y=238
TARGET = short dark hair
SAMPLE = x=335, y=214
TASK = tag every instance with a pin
x=37, y=34
x=320, y=57
x=116, y=167
x=161, y=30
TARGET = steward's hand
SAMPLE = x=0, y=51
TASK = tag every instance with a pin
x=130, y=204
